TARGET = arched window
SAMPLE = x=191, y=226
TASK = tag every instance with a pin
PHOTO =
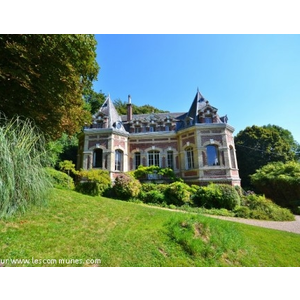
x=137, y=159
x=119, y=160
x=232, y=157
x=153, y=158
x=97, y=158
x=189, y=154
x=212, y=153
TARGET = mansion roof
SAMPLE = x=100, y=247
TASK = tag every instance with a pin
x=200, y=112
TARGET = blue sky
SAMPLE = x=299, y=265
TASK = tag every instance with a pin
x=254, y=79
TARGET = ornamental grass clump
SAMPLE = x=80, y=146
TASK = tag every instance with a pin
x=23, y=178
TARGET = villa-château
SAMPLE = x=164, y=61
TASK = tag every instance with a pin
x=198, y=144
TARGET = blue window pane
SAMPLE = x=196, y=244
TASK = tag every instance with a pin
x=212, y=155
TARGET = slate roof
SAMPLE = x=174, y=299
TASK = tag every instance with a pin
x=174, y=117
x=181, y=118
x=198, y=103
x=108, y=109
x=153, y=116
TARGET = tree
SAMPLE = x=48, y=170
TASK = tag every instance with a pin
x=64, y=148
x=257, y=146
x=288, y=137
x=42, y=77
x=121, y=107
x=93, y=99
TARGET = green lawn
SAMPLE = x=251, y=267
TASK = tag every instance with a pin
x=78, y=230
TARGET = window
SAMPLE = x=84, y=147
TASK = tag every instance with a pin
x=97, y=158
x=208, y=119
x=137, y=129
x=232, y=157
x=118, y=160
x=167, y=128
x=212, y=153
x=189, y=158
x=152, y=129
x=153, y=158
x=170, y=160
x=137, y=160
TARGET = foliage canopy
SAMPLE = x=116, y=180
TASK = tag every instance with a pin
x=43, y=77
x=280, y=182
x=257, y=146
x=121, y=107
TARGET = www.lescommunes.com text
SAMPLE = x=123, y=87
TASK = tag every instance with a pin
x=49, y=261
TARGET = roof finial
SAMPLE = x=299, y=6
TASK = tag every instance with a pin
x=197, y=89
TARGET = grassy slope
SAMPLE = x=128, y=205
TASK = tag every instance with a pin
x=75, y=226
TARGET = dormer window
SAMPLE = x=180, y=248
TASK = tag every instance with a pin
x=189, y=121
x=208, y=119
x=117, y=125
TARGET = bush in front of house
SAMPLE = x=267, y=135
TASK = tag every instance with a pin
x=60, y=180
x=153, y=193
x=280, y=182
x=154, y=196
x=261, y=208
x=126, y=187
x=178, y=193
x=217, y=196
x=93, y=182
x=142, y=172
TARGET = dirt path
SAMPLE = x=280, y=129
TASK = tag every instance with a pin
x=290, y=226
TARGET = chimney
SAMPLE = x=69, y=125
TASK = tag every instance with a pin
x=129, y=109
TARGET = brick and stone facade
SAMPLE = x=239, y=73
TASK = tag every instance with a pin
x=198, y=145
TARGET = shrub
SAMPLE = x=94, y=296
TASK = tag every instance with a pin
x=217, y=196
x=141, y=172
x=194, y=189
x=154, y=197
x=259, y=207
x=152, y=193
x=23, y=178
x=147, y=187
x=93, y=182
x=126, y=187
x=178, y=193
x=279, y=182
x=91, y=188
x=230, y=196
x=60, y=179
x=68, y=167
x=242, y=212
